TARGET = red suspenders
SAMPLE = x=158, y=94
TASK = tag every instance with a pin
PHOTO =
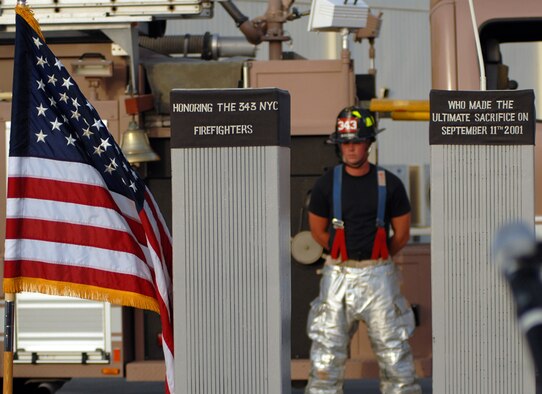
x=380, y=247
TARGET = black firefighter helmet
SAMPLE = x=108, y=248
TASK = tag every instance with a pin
x=354, y=124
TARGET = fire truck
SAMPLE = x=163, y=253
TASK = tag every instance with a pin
x=125, y=59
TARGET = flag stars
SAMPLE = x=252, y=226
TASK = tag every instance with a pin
x=37, y=42
x=56, y=124
x=41, y=85
x=52, y=79
x=58, y=63
x=67, y=83
x=133, y=186
x=105, y=144
x=114, y=163
x=64, y=97
x=89, y=105
x=64, y=118
x=70, y=139
x=41, y=109
x=98, y=150
x=109, y=168
x=41, y=136
x=41, y=61
x=97, y=123
x=87, y=133
x=52, y=102
x=75, y=103
x=76, y=115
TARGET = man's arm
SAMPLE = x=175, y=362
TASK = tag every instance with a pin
x=319, y=229
x=401, y=233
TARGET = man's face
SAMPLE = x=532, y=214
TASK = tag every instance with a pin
x=355, y=154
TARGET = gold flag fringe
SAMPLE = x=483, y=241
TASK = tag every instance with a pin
x=94, y=293
x=26, y=12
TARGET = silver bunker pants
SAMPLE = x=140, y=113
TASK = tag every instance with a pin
x=370, y=294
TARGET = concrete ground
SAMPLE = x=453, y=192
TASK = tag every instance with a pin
x=367, y=386
x=110, y=386
x=120, y=386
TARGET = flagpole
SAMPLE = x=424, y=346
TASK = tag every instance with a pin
x=9, y=319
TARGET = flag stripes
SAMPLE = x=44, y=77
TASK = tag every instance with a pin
x=80, y=275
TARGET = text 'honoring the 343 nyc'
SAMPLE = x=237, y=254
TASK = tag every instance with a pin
x=482, y=117
x=230, y=106
x=230, y=117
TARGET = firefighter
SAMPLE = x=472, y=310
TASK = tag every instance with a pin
x=352, y=208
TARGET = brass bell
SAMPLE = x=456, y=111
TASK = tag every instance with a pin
x=136, y=146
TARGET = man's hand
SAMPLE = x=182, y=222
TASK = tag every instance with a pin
x=319, y=229
x=401, y=233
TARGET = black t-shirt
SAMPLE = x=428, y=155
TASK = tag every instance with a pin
x=359, y=206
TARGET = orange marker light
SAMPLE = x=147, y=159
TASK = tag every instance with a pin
x=110, y=371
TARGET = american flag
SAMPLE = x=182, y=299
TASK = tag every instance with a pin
x=80, y=221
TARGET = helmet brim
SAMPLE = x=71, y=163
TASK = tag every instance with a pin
x=351, y=137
